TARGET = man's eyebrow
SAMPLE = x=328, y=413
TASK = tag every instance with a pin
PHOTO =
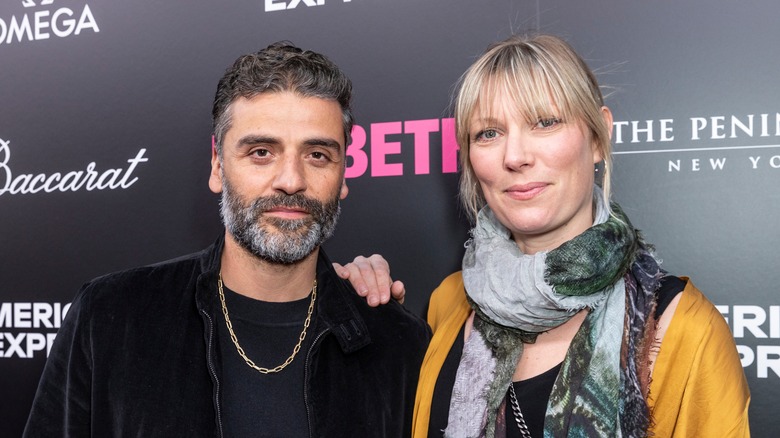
x=325, y=142
x=252, y=140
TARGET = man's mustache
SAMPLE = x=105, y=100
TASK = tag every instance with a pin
x=296, y=201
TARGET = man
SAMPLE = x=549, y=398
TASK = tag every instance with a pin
x=256, y=335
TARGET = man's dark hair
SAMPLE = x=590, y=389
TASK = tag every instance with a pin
x=281, y=67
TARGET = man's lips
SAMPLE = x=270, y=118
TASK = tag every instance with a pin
x=524, y=192
x=288, y=212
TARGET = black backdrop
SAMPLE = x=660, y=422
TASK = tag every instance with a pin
x=121, y=92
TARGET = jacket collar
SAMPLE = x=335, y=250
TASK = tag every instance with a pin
x=336, y=305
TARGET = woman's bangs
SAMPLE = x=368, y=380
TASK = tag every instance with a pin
x=527, y=93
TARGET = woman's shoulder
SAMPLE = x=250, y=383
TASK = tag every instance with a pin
x=448, y=298
x=692, y=325
x=698, y=386
x=450, y=292
x=681, y=306
x=670, y=287
x=694, y=309
x=452, y=284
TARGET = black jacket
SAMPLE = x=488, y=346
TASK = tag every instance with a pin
x=137, y=356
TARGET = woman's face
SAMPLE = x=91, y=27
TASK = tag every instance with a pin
x=536, y=177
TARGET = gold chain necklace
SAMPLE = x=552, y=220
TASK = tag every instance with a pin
x=241, y=350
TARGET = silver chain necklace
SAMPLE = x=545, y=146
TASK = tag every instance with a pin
x=518, y=414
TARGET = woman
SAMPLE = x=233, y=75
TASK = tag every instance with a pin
x=561, y=322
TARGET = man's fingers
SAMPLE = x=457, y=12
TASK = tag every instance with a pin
x=379, y=288
x=370, y=276
x=356, y=273
x=398, y=291
x=341, y=271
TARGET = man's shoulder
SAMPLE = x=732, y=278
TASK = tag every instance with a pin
x=392, y=312
x=391, y=321
x=135, y=285
x=152, y=273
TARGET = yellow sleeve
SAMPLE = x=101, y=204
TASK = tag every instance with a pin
x=447, y=312
x=698, y=387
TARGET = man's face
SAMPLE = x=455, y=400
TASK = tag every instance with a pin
x=281, y=175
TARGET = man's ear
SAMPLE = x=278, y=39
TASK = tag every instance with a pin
x=215, y=178
x=344, y=189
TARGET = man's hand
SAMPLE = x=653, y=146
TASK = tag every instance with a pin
x=371, y=279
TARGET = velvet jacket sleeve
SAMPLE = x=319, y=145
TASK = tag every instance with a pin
x=698, y=387
x=62, y=404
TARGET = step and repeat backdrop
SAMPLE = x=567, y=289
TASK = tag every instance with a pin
x=105, y=138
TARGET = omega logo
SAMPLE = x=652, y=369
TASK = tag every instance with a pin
x=43, y=23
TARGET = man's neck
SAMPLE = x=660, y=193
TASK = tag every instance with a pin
x=244, y=273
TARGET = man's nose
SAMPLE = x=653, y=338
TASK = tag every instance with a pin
x=290, y=178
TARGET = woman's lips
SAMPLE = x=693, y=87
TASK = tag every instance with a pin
x=524, y=192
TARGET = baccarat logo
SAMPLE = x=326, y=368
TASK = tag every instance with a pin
x=42, y=20
x=89, y=178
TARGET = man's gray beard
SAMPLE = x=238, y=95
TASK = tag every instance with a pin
x=280, y=241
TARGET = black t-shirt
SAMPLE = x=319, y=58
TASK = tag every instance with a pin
x=532, y=394
x=256, y=404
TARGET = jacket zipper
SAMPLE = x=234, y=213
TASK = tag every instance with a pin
x=306, y=380
x=209, y=355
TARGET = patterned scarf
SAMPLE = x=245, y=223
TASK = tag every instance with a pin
x=602, y=387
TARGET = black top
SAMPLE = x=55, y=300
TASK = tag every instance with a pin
x=529, y=393
x=534, y=393
x=256, y=404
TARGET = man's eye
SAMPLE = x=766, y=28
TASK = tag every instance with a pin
x=319, y=156
x=261, y=152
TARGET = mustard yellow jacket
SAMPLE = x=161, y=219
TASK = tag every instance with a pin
x=698, y=387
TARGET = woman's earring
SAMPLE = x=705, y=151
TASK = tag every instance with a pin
x=598, y=171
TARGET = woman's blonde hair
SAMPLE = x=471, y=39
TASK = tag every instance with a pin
x=543, y=77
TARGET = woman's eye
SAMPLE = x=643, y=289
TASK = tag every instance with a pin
x=547, y=123
x=487, y=134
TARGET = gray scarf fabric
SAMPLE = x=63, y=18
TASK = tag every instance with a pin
x=517, y=296
x=510, y=287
